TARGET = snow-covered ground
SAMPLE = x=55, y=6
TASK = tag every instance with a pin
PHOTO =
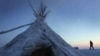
x=88, y=52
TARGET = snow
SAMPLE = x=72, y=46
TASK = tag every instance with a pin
x=88, y=52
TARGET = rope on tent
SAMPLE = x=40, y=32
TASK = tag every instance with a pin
x=3, y=32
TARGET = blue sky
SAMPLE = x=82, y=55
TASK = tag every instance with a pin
x=76, y=21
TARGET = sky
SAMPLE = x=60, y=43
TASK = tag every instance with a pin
x=76, y=21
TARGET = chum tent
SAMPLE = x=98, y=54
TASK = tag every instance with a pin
x=38, y=40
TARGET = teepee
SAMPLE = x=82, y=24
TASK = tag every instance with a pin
x=38, y=40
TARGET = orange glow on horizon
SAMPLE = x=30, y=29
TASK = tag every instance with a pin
x=86, y=45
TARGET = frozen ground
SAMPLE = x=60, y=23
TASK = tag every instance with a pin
x=88, y=52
